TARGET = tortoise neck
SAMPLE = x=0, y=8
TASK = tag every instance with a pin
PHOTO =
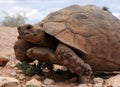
x=45, y=40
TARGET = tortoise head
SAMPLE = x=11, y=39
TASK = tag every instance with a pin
x=30, y=33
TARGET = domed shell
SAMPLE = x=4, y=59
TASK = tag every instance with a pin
x=88, y=29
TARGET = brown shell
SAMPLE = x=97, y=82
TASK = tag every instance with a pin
x=87, y=28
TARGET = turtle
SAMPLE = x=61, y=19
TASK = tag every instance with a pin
x=82, y=38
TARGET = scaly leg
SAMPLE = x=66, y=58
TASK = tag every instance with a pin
x=63, y=56
x=74, y=63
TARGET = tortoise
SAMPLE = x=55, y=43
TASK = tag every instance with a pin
x=82, y=38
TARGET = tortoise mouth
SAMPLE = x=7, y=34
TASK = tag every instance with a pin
x=25, y=35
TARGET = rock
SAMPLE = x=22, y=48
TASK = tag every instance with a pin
x=3, y=61
x=12, y=65
x=21, y=77
x=98, y=85
x=34, y=83
x=13, y=73
x=59, y=67
x=98, y=80
x=18, y=71
x=48, y=81
x=113, y=81
x=37, y=77
x=8, y=82
x=20, y=85
x=85, y=85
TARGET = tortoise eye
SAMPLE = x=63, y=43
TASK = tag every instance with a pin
x=29, y=27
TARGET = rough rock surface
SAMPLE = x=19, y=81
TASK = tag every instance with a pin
x=8, y=82
x=98, y=80
x=48, y=81
x=113, y=81
x=86, y=85
x=34, y=83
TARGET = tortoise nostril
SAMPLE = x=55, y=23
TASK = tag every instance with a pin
x=29, y=27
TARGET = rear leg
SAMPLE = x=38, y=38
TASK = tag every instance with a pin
x=65, y=56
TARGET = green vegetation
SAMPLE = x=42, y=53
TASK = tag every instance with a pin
x=14, y=20
x=32, y=69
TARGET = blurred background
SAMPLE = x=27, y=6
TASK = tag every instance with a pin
x=33, y=11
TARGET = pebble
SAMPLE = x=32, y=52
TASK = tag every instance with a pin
x=34, y=83
x=37, y=77
x=8, y=82
x=98, y=85
x=113, y=81
x=21, y=77
x=98, y=80
x=13, y=73
x=85, y=85
x=48, y=81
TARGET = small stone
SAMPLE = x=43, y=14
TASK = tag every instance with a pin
x=3, y=61
x=48, y=81
x=13, y=74
x=37, y=77
x=90, y=85
x=98, y=80
x=20, y=85
x=8, y=82
x=12, y=65
x=82, y=85
x=16, y=68
x=59, y=67
x=21, y=77
x=98, y=85
x=113, y=81
x=34, y=83
x=84, y=79
x=19, y=71
x=85, y=85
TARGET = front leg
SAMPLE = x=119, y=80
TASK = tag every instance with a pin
x=20, y=48
x=62, y=56
x=43, y=54
x=74, y=63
